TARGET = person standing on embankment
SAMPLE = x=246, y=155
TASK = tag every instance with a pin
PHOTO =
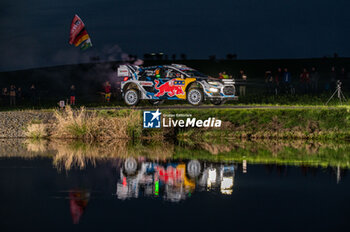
x=13, y=95
x=72, y=95
x=243, y=79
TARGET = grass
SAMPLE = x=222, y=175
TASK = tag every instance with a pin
x=36, y=131
x=290, y=100
x=253, y=98
x=309, y=123
x=291, y=123
x=88, y=125
x=96, y=126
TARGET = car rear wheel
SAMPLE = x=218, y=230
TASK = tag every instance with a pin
x=132, y=97
x=195, y=96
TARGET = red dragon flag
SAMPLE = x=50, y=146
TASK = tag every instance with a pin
x=78, y=34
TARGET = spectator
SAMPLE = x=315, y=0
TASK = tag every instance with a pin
x=333, y=78
x=4, y=91
x=19, y=95
x=33, y=95
x=243, y=79
x=108, y=89
x=4, y=95
x=287, y=81
x=342, y=74
x=12, y=95
x=72, y=95
x=224, y=75
x=304, y=81
x=221, y=76
x=269, y=82
x=278, y=79
x=314, y=78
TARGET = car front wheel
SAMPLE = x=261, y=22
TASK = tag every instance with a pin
x=130, y=166
x=195, y=96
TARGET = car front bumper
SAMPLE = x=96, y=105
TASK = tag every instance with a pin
x=220, y=92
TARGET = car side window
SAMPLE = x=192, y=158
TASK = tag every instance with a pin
x=171, y=73
x=144, y=75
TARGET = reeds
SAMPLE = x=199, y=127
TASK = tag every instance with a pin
x=36, y=131
x=88, y=126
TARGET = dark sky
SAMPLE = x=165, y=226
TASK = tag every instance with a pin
x=35, y=33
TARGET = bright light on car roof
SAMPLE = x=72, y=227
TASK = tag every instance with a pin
x=181, y=66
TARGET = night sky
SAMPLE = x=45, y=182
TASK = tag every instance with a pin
x=35, y=33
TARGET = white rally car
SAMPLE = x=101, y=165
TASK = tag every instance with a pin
x=172, y=82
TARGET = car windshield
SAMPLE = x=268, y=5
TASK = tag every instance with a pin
x=195, y=73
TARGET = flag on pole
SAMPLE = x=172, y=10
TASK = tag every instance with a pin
x=78, y=34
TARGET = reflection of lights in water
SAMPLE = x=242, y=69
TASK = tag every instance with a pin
x=174, y=193
x=226, y=185
x=226, y=192
x=122, y=191
x=244, y=166
x=156, y=188
x=211, y=177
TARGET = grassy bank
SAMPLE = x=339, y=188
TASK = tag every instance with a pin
x=304, y=123
x=287, y=123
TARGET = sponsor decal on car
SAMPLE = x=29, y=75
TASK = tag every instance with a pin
x=146, y=83
x=172, y=88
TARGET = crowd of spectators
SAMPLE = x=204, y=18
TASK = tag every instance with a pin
x=306, y=82
x=13, y=96
x=282, y=81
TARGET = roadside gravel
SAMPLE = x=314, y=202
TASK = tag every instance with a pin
x=12, y=123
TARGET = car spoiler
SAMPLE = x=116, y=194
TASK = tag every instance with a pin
x=127, y=70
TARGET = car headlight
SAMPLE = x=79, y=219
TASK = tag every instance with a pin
x=214, y=90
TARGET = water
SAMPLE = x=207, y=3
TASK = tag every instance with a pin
x=41, y=190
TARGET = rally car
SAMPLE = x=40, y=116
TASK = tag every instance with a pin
x=173, y=181
x=172, y=82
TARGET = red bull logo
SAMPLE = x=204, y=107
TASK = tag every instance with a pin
x=172, y=88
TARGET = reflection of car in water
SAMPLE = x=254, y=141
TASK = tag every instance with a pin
x=172, y=82
x=173, y=181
